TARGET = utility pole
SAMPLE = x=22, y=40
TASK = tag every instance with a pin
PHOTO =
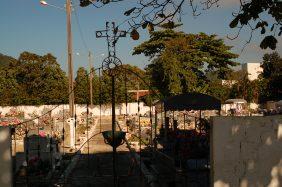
x=70, y=62
x=90, y=79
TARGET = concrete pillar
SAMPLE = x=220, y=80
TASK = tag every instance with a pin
x=5, y=157
x=71, y=123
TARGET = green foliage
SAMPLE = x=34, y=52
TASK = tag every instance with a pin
x=267, y=87
x=6, y=60
x=32, y=80
x=81, y=88
x=262, y=15
x=271, y=77
x=36, y=80
x=216, y=88
x=180, y=62
x=251, y=11
x=42, y=79
x=128, y=78
x=244, y=88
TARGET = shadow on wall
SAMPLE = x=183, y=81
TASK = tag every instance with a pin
x=247, y=151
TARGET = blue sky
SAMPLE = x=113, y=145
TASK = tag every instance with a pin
x=27, y=26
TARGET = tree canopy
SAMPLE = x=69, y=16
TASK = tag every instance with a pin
x=33, y=79
x=128, y=78
x=271, y=77
x=5, y=60
x=180, y=62
x=81, y=88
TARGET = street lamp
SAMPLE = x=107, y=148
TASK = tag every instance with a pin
x=71, y=120
x=44, y=3
x=69, y=52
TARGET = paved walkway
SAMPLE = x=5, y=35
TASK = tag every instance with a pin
x=96, y=168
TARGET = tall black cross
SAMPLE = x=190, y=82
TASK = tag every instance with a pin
x=110, y=63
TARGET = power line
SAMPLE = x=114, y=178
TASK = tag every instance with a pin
x=80, y=31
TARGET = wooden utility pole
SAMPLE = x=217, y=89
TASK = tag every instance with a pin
x=90, y=80
x=70, y=62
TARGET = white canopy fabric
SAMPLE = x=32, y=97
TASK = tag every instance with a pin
x=234, y=101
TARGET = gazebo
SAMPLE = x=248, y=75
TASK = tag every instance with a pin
x=186, y=102
x=183, y=145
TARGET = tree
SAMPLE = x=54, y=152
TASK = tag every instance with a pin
x=6, y=60
x=81, y=88
x=251, y=14
x=41, y=79
x=179, y=61
x=216, y=88
x=271, y=77
x=244, y=88
x=9, y=88
x=95, y=87
x=127, y=77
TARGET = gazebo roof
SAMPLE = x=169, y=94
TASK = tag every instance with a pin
x=190, y=101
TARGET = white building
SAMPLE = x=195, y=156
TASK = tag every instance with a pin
x=253, y=70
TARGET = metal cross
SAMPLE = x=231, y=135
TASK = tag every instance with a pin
x=111, y=38
x=111, y=63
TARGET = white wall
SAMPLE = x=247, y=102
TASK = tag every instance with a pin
x=106, y=109
x=246, y=151
x=226, y=107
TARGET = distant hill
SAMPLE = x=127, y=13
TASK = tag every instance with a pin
x=5, y=60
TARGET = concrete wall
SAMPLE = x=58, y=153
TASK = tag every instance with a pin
x=5, y=157
x=106, y=109
x=246, y=151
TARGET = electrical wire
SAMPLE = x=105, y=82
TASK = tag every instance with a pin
x=80, y=31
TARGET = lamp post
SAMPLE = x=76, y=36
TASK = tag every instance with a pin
x=69, y=52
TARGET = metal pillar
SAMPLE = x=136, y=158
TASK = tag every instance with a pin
x=114, y=128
